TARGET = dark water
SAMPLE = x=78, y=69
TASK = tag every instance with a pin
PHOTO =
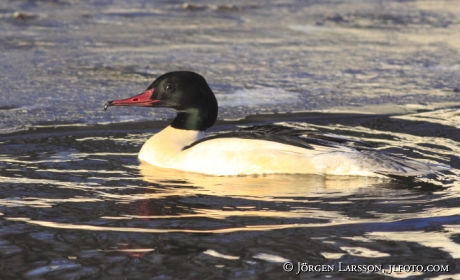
x=76, y=204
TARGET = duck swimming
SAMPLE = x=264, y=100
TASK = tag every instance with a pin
x=267, y=149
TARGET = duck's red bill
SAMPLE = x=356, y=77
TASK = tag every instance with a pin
x=143, y=99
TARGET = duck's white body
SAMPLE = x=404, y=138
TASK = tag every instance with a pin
x=235, y=156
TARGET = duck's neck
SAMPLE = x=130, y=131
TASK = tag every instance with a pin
x=195, y=119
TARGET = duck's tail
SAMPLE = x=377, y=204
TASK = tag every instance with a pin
x=393, y=165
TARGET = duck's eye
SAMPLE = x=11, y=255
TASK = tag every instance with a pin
x=169, y=87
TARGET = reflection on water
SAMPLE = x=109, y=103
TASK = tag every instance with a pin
x=265, y=187
x=80, y=205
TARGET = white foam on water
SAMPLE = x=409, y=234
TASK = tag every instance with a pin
x=216, y=254
x=258, y=96
x=270, y=258
x=308, y=29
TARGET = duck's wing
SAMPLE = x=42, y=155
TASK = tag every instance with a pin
x=308, y=139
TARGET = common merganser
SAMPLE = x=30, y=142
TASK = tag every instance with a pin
x=267, y=149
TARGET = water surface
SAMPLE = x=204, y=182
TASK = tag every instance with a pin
x=75, y=202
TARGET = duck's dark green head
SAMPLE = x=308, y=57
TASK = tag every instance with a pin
x=186, y=92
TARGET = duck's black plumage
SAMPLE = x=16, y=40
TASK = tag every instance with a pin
x=302, y=138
